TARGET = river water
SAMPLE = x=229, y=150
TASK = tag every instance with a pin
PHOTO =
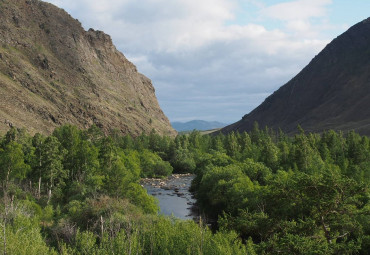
x=173, y=195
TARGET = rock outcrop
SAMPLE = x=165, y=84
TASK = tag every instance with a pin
x=332, y=92
x=53, y=72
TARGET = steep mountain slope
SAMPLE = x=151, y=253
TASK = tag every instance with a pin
x=53, y=72
x=332, y=92
x=197, y=124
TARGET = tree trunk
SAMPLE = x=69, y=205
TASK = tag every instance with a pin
x=39, y=191
x=325, y=228
x=102, y=226
x=49, y=195
x=6, y=213
x=50, y=188
x=4, y=234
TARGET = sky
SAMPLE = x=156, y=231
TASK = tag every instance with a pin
x=217, y=60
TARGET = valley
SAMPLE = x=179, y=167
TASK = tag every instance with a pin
x=90, y=164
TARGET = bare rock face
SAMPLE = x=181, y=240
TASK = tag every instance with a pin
x=332, y=92
x=53, y=72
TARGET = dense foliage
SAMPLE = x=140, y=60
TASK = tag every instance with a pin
x=78, y=192
x=307, y=194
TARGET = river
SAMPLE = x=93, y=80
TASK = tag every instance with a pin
x=173, y=195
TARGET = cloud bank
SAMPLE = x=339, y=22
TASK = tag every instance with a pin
x=211, y=59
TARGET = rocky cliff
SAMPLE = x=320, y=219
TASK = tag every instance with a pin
x=54, y=72
x=331, y=92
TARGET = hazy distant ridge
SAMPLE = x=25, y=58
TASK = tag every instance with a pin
x=197, y=124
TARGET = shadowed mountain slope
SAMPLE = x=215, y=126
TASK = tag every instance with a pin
x=331, y=92
x=54, y=72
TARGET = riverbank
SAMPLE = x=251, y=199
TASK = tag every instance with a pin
x=173, y=195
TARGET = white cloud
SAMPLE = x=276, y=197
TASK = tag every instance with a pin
x=297, y=10
x=298, y=16
x=202, y=62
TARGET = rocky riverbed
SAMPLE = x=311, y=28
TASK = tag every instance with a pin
x=173, y=195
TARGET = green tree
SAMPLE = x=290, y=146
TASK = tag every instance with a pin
x=52, y=169
x=270, y=154
x=183, y=161
x=232, y=145
x=12, y=166
x=139, y=197
x=37, y=142
x=217, y=143
x=153, y=166
x=70, y=138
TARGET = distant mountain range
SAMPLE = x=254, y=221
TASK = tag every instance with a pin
x=331, y=92
x=197, y=124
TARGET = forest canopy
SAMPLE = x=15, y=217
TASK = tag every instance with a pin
x=78, y=192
